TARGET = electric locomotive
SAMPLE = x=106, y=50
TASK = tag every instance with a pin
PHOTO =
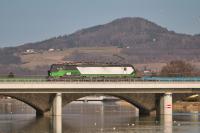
x=90, y=70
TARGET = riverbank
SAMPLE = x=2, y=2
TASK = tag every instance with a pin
x=186, y=107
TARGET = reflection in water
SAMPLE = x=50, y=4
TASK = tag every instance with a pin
x=98, y=116
x=12, y=122
x=102, y=117
x=195, y=117
x=92, y=117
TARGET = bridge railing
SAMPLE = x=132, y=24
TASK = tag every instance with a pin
x=5, y=80
x=68, y=80
x=23, y=80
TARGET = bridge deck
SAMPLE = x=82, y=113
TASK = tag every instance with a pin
x=100, y=87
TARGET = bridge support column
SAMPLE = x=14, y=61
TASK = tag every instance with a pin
x=57, y=124
x=166, y=104
x=57, y=105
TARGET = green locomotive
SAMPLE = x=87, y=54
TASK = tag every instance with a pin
x=90, y=70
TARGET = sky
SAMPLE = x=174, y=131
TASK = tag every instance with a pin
x=24, y=21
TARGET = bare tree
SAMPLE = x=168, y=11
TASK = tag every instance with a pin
x=11, y=75
x=178, y=68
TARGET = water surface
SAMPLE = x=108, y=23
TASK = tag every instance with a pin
x=92, y=117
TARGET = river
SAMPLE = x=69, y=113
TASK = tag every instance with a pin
x=92, y=117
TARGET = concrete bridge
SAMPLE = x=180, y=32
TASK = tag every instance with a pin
x=49, y=97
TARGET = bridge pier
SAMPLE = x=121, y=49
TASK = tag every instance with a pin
x=166, y=112
x=57, y=105
x=57, y=124
x=166, y=104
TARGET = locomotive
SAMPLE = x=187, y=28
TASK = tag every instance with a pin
x=90, y=70
x=102, y=71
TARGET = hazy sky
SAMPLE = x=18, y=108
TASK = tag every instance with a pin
x=23, y=21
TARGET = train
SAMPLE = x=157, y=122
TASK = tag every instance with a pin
x=90, y=70
x=102, y=71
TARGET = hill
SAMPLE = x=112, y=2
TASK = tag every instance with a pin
x=132, y=40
